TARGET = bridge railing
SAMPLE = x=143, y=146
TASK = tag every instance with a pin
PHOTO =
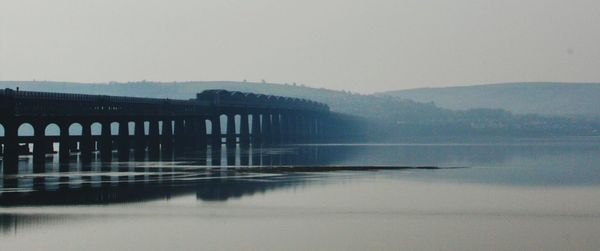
x=92, y=98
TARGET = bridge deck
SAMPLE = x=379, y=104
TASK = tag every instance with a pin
x=27, y=103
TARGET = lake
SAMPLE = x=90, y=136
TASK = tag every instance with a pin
x=441, y=194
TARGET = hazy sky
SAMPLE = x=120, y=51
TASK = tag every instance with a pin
x=361, y=46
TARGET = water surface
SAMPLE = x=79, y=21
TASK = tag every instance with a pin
x=491, y=195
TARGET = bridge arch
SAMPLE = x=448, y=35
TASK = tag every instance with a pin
x=250, y=122
x=1, y=135
x=75, y=129
x=25, y=129
x=223, y=122
x=96, y=128
x=209, y=127
x=146, y=127
x=52, y=129
x=131, y=128
x=237, y=118
x=160, y=127
x=114, y=128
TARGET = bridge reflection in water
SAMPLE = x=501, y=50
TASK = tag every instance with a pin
x=213, y=174
x=210, y=175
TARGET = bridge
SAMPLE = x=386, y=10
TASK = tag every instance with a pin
x=98, y=123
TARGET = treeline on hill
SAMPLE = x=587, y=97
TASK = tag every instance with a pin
x=547, y=98
x=390, y=117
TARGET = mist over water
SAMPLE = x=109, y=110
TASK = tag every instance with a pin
x=501, y=195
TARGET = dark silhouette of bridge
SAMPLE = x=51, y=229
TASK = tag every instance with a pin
x=147, y=125
x=209, y=179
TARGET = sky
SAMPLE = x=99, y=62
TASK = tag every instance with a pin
x=361, y=46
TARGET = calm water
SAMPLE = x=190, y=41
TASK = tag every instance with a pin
x=487, y=195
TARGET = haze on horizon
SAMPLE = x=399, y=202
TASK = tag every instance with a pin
x=363, y=46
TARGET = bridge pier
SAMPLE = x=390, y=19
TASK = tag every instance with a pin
x=256, y=135
x=11, y=152
x=64, y=152
x=105, y=141
x=180, y=140
x=167, y=135
x=215, y=155
x=295, y=128
x=153, y=138
x=291, y=138
x=244, y=157
x=190, y=133
x=39, y=146
x=300, y=129
x=318, y=129
x=267, y=133
x=276, y=129
x=308, y=128
x=284, y=125
x=231, y=138
x=139, y=139
x=86, y=142
x=290, y=129
x=200, y=134
x=123, y=137
x=73, y=147
x=230, y=155
x=244, y=129
x=310, y=122
x=216, y=131
x=285, y=128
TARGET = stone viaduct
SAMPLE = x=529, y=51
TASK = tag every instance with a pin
x=97, y=123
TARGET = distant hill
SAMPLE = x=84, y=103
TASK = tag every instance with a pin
x=520, y=98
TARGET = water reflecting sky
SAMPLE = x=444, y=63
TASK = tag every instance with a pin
x=499, y=195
